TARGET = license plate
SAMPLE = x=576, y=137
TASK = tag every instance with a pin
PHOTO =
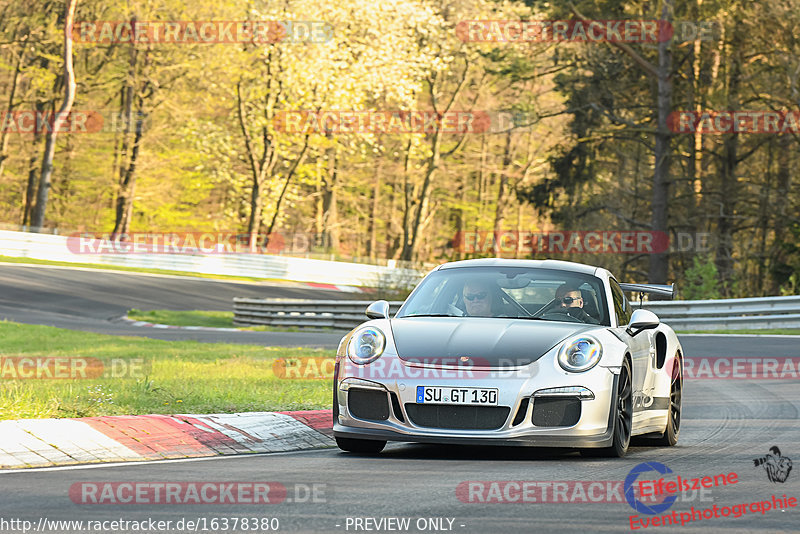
x=454, y=395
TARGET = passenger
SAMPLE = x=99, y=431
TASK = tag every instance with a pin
x=570, y=301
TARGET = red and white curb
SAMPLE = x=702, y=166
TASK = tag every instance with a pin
x=53, y=442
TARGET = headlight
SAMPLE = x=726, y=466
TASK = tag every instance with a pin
x=579, y=354
x=366, y=345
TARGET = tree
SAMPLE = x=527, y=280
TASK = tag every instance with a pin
x=59, y=119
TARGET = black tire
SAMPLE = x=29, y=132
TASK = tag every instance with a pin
x=623, y=417
x=362, y=446
x=673, y=430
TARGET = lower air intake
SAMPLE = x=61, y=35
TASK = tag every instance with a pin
x=369, y=404
x=458, y=417
x=556, y=411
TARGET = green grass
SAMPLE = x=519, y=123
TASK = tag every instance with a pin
x=776, y=331
x=10, y=259
x=179, y=377
x=215, y=319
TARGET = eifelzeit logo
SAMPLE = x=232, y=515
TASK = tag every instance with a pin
x=777, y=467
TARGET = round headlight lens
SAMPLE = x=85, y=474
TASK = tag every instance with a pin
x=579, y=354
x=366, y=345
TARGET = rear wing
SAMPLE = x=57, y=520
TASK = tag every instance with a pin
x=662, y=290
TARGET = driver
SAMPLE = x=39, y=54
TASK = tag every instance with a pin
x=570, y=301
x=478, y=298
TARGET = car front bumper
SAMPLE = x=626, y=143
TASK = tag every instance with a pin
x=531, y=410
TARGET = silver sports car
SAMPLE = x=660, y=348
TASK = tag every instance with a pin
x=511, y=352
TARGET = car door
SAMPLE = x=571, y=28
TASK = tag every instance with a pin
x=640, y=347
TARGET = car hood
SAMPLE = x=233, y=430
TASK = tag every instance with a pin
x=489, y=342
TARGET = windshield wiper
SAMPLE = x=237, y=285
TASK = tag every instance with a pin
x=530, y=318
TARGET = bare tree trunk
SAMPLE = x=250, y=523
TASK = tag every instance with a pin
x=409, y=254
x=66, y=106
x=372, y=244
x=124, y=213
x=659, y=262
x=9, y=109
x=500, y=206
x=33, y=169
x=459, y=243
x=408, y=202
x=330, y=213
x=728, y=181
x=762, y=228
x=779, y=211
x=260, y=168
x=421, y=214
x=289, y=175
x=125, y=193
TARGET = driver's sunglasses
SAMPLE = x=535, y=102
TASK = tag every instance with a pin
x=570, y=300
x=476, y=296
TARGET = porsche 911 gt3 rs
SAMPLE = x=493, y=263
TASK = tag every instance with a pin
x=511, y=352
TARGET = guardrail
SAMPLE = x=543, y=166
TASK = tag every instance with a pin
x=739, y=314
x=735, y=314
x=340, y=314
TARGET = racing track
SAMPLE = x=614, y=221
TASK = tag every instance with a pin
x=726, y=424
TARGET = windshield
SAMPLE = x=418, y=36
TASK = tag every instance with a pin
x=516, y=292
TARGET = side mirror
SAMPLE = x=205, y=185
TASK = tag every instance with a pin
x=378, y=310
x=642, y=320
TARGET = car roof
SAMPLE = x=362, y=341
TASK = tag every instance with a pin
x=541, y=264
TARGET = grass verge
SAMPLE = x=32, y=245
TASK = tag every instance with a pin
x=177, y=376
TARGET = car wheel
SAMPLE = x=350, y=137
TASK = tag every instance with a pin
x=363, y=446
x=623, y=418
x=670, y=436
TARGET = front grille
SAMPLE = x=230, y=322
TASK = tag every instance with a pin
x=457, y=417
x=369, y=404
x=556, y=411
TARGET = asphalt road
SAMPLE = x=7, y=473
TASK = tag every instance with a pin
x=93, y=301
x=726, y=425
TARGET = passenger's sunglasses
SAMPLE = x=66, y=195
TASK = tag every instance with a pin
x=570, y=300
x=476, y=296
